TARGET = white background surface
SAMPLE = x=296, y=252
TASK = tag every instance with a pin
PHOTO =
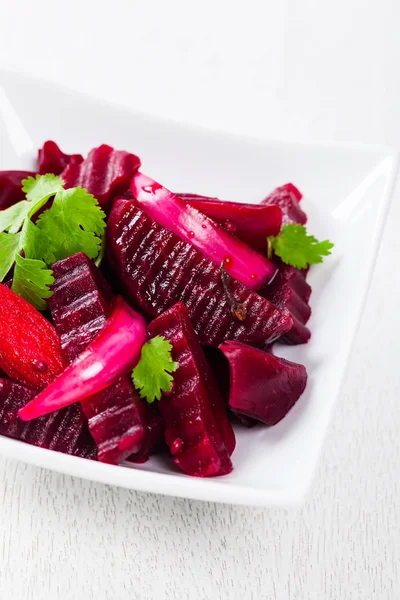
x=296, y=69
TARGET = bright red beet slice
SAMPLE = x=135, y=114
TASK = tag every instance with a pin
x=30, y=349
x=251, y=223
x=52, y=160
x=113, y=352
x=197, y=429
x=263, y=386
x=104, y=173
x=64, y=430
x=289, y=290
x=157, y=269
x=11, y=187
x=287, y=197
x=193, y=227
x=80, y=306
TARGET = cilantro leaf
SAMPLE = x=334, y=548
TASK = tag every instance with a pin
x=74, y=223
x=32, y=280
x=12, y=218
x=36, y=244
x=298, y=249
x=152, y=375
x=41, y=187
x=10, y=244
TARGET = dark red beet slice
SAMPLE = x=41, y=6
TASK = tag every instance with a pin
x=52, y=160
x=65, y=430
x=290, y=290
x=197, y=429
x=11, y=187
x=80, y=306
x=153, y=436
x=158, y=269
x=287, y=197
x=104, y=173
x=251, y=223
x=263, y=386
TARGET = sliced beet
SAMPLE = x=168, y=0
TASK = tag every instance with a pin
x=104, y=173
x=11, y=187
x=80, y=306
x=52, y=160
x=65, y=430
x=153, y=438
x=197, y=429
x=287, y=197
x=158, y=269
x=263, y=386
x=289, y=290
x=251, y=223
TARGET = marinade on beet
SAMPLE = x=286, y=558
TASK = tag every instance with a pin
x=158, y=269
x=197, y=429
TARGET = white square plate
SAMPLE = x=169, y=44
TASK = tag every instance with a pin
x=347, y=191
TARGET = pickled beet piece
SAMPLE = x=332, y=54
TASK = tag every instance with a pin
x=263, y=386
x=80, y=306
x=251, y=223
x=30, y=349
x=104, y=173
x=153, y=438
x=11, y=187
x=52, y=160
x=289, y=290
x=197, y=429
x=157, y=269
x=287, y=197
x=190, y=225
x=65, y=430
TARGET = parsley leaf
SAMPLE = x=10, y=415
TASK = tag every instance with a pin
x=152, y=375
x=74, y=223
x=31, y=280
x=298, y=249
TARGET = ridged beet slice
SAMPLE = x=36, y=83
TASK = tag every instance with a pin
x=11, y=187
x=263, y=386
x=251, y=223
x=65, y=430
x=289, y=290
x=153, y=438
x=104, y=173
x=80, y=306
x=287, y=197
x=197, y=429
x=158, y=269
x=52, y=160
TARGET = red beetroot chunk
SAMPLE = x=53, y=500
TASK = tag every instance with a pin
x=251, y=223
x=263, y=386
x=197, y=429
x=52, y=160
x=11, y=187
x=158, y=269
x=80, y=306
x=287, y=197
x=65, y=430
x=104, y=173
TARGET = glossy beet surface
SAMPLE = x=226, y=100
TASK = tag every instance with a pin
x=290, y=290
x=104, y=173
x=11, y=187
x=197, y=430
x=30, y=349
x=113, y=352
x=263, y=386
x=52, y=160
x=157, y=269
x=251, y=223
x=80, y=307
x=214, y=242
x=65, y=430
x=287, y=197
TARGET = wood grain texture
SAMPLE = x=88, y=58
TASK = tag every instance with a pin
x=63, y=538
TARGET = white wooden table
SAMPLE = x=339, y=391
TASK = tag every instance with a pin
x=294, y=69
